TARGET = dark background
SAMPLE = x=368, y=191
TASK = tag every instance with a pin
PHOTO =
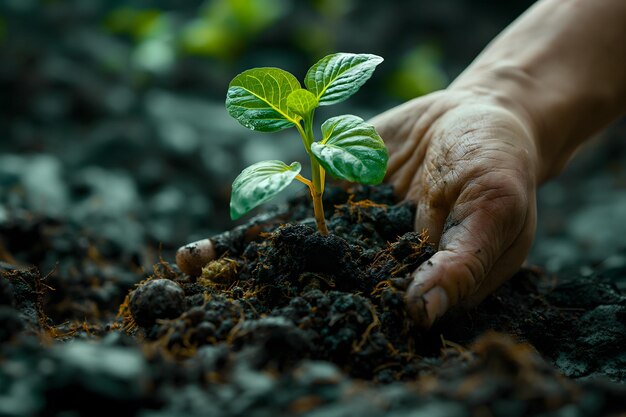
x=112, y=113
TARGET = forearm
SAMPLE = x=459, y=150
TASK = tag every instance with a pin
x=561, y=67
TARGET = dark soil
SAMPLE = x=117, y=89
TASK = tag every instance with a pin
x=289, y=322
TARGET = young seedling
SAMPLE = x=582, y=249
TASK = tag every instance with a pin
x=270, y=99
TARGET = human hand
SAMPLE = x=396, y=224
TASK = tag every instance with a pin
x=470, y=165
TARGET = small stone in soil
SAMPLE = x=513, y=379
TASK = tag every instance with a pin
x=157, y=299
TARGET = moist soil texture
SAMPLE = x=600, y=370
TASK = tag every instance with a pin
x=286, y=321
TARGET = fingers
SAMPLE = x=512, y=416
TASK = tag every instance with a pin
x=482, y=241
x=469, y=166
x=439, y=284
x=510, y=261
x=192, y=257
x=430, y=216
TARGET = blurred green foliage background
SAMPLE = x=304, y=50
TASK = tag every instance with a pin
x=112, y=114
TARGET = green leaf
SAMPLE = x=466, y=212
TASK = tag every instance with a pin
x=259, y=183
x=257, y=98
x=336, y=77
x=301, y=102
x=351, y=150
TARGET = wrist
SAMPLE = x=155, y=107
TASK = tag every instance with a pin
x=561, y=68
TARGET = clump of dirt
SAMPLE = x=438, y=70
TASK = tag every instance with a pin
x=300, y=294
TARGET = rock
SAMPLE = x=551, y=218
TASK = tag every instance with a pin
x=157, y=299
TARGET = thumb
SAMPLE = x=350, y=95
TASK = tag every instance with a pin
x=192, y=257
x=449, y=276
x=472, y=243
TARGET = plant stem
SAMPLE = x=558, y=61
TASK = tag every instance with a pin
x=317, y=178
x=304, y=181
x=316, y=193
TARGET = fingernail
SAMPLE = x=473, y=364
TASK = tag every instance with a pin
x=427, y=305
x=193, y=256
x=436, y=303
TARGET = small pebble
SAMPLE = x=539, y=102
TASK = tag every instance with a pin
x=157, y=299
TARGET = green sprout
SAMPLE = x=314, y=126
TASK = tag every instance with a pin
x=271, y=99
